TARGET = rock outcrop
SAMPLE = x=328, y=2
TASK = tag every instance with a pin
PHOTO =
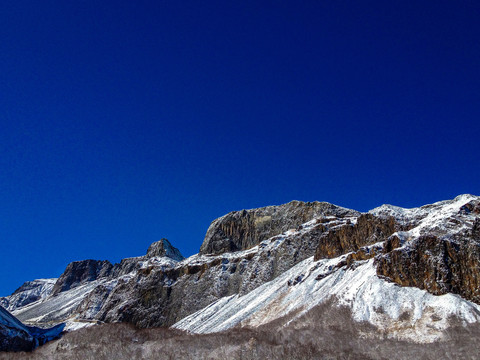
x=438, y=265
x=241, y=230
x=444, y=258
x=81, y=272
x=163, y=248
x=367, y=230
x=78, y=273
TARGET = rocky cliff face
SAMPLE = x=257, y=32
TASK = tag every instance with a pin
x=355, y=257
x=430, y=251
x=161, y=296
x=80, y=272
x=241, y=230
x=163, y=248
x=444, y=258
x=438, y=265
x=367, y=230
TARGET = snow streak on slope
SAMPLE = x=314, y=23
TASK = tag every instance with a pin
x=400, y=312
x=27, y=293
x=54, y=309
x=432, y=218
x=8, y=320
x=404, y=313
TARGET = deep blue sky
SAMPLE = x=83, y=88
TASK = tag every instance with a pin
x=123, y=122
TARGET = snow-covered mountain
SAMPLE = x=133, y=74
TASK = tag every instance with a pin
x=29, y=292
x=356, y=279
x=408, y=273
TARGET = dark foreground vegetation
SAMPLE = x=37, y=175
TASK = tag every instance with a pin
x=322, y=334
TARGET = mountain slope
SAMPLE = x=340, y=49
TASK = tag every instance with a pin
x=352, y=279
x=411, y=274
x=29, y=292
x=82, y=279
x=15, y=336
x=157, y=291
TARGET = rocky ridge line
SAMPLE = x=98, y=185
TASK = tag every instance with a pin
x=160, y=291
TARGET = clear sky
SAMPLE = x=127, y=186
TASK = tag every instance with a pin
x=123, y=122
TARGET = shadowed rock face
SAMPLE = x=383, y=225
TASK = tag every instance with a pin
x=240, y=230
x=368, y=230
x=81, y=272
x=438, y=265
x=15, y=343
x=15, y=336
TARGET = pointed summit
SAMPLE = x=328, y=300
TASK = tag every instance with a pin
x=163, y=248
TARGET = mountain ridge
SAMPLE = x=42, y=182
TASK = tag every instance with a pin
x=278, y=250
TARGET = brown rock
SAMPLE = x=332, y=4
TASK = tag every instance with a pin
x=241, y=230
x=438, y=265
x=368, y=230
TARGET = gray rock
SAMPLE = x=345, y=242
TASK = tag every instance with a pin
x=80, y=272
x=240, y=230
x=160, y=297
x=164, y=248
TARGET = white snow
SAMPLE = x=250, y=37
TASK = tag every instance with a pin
x=55, y=307
x=72, y=325
x=7, y=319
x=401, y=312
x=39, y=288
x=433, y=217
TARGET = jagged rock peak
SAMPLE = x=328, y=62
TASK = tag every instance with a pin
x=163, y=248
x=80, y=272
x=240, y=230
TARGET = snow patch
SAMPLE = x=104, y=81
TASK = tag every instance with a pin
x=400, y=312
